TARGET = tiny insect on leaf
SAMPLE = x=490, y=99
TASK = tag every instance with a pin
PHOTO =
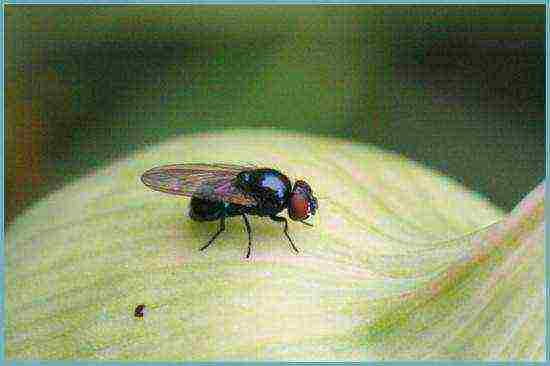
x=139, y=311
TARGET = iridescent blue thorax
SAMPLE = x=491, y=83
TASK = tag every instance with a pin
x=269, y=187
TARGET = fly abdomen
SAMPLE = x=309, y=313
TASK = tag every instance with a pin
x=205, y=210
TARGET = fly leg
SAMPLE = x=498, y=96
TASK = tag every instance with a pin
x=222, y=228
x=249, y=231
x=282, y=219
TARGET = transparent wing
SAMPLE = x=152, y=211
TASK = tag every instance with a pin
x=209, y=181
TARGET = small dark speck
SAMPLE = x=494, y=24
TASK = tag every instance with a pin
x=138, y=313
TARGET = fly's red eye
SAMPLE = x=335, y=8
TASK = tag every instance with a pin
x=299, y=207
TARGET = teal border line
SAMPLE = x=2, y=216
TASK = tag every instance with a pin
x=275, y=2
x=2, y=235
x=235, y=363
x=546, y=193
x=386, y=363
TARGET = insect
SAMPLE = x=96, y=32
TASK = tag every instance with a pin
x=138, y=312
x=219, y=191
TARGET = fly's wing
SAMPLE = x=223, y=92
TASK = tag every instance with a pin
x=214, y=182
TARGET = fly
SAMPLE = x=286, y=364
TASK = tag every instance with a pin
x=219, y=191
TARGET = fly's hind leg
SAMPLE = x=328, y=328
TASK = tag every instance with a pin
x=282, y=219
x=249, y=231
x=222, y=228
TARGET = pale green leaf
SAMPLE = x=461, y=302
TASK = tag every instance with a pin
x=398, y=265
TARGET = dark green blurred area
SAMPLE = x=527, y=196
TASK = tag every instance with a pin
x=458, y=88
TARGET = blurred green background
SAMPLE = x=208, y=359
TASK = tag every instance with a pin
x=458, y=88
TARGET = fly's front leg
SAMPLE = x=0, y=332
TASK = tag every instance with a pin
x=282, y=219
x=222, y=228
x=249, y=231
